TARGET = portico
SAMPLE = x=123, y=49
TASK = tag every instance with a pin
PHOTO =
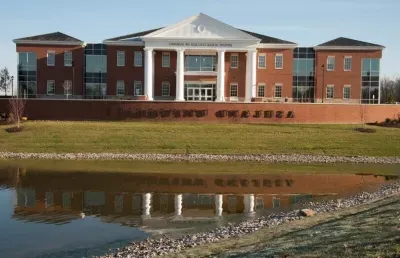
x=204, y=38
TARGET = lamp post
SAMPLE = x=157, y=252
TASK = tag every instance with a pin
x=12, y=86
x=73, y=79
x=323, y=82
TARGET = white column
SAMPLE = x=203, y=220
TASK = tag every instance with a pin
x=251, y=75
x=180, y=73
x=154, y=72
x=148, y=73
x=146, y=200
x=221, y=76
x=178, y=204
x=218, y=205
x=248, y=203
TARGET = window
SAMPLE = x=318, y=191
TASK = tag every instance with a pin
x=262, y=64
x=234, y=60
x=370, y=80
x=120, y=58
x=278, y=90
x=138, y=59
x=165, y=89
x=346, y=91
x=120, y=88
x=279, y=61
x=166, y=60
x=67, y=85
x=276, y=202
x=329, y=91
x=347, y=63
x=51, y=58
x=261, y=91
x=330, y=63
x=234, y=90
x=68, y=58
x=138, y=89
x=51, y=88
x=200, y=63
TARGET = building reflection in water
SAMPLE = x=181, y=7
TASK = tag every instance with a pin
x=154, y=199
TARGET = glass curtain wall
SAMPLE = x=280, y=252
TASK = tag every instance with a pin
x=303, y=75
x=27, y=75
x=200, y=63
x=370, y=81
x=95, y=71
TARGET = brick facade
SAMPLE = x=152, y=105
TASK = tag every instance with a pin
x=37, y=109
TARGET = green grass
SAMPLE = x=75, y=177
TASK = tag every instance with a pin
x=199, y=168
x=158, y=137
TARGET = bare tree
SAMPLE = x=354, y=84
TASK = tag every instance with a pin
x=362, y=115
x=390, y=90
x=5, y=80
x=17, y=108
x=67, y=85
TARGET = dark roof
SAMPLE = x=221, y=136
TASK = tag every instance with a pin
x=55, y=36
x=133, y=35
x=267, y=39
x=264, y=39
x=346, y=42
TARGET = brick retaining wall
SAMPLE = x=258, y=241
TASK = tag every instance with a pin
x=38, y=109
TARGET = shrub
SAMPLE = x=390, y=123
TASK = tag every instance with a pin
x=387, y=120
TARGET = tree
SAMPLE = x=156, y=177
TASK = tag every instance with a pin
x=17, y=108
x=67, y=85
x=5, y=80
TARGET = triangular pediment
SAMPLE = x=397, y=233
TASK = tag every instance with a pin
x=201, y=26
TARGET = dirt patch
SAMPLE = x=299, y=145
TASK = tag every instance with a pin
x=366, y=130
x=15, y=129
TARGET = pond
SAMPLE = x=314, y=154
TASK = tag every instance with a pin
x=75, y=214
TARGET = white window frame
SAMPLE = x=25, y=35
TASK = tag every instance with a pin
x=327, y=63
x=169, y=59
x=333, y=91
x=278, y=85
x=120, y=58
x=138, y=62
x=273, y=202
x=265, y=61
x=118, y=88
x=54, y=87
x=347, y=87
x=344, y=63
x=54, y=57
x=236, y=55
x=258, y=90
x=165, y=87
x=68, y=58
x=237, y=89
x=137, y=83
x=276, y=62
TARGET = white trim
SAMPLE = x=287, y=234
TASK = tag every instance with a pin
x=276, y=55
x=344, y=63
x=162, y=59
x=119, y=52
x=68, y=65
x=344, y=87
x=43, y=42
x=265, y=61
x=123, y=43
x=230, y=60
x=141, y=59
x=278, y=84
x=47, y=87
x=200, y=73
x=47, y=57
x=348, y=48
x=334, y=63
x=275, y=46
x=230, y=89
x=333, y=92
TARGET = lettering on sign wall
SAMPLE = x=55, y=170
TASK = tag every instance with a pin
x=180, y=44
x=176, y=113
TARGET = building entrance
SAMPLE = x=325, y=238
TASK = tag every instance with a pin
x=200, y=91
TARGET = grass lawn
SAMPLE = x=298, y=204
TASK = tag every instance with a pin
x=153, y=137
x=368, y=230
x=199, y=168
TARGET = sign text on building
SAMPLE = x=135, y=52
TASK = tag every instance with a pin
x=182, y=44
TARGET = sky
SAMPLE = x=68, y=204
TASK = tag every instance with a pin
x=307, y=22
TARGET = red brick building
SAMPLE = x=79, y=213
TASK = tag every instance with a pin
x=198, y=59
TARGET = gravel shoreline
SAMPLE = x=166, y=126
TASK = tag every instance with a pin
x=264, y=158
x=164, y=245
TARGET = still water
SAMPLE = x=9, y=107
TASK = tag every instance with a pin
x=75, y=214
